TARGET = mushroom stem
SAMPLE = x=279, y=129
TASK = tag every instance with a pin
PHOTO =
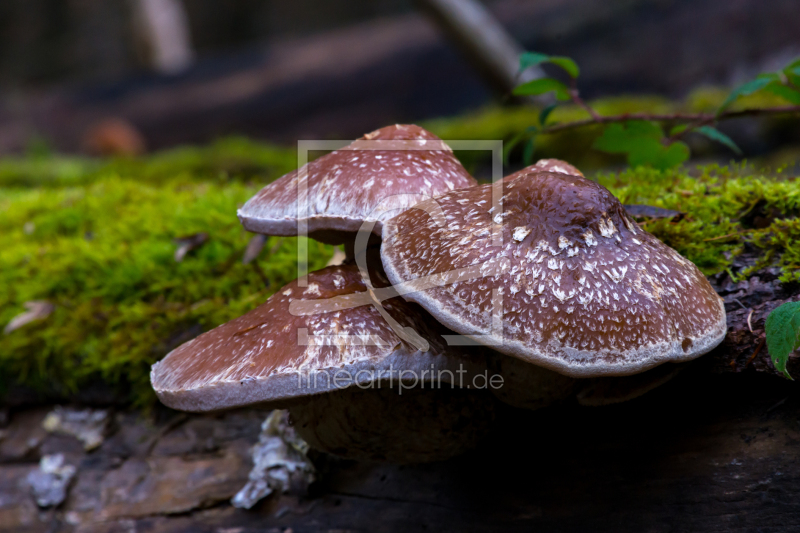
x=395, y=424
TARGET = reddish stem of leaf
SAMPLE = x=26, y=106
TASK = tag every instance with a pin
x=575, y=95
x=698, y=118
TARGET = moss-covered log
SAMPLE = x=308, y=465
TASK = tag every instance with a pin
x=96, y=241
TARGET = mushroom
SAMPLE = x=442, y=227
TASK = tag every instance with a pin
x=555, y=165
x=554, y=273
x=354, y=383
x=530, y=386
x=362, y=182
x=610, y=390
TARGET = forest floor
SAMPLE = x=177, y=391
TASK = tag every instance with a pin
x=715, y=449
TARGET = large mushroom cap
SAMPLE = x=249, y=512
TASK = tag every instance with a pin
x=554, y=165
x=271, y=355
x=584, y=290
x=358, y=183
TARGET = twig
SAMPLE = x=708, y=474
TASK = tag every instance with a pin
x=755, y=353
x=738, y=302
x=777, y=405
x=721, y=237
x=749, y=324
x=666, y=117
x=575, y=95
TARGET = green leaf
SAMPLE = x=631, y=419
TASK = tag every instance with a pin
x=650, y=152
x=671, y=156
x=530, y=131
x=743, y=90
x=543, y=116
x=567, y=64
x=527, y=154
x=783, y=334
x=680, y=128
x=530, y=59
x=507, y=147
x=541, y=86
x=642, y=142
x=787, y=93
x=617, y=138
x=715, y=135
x=793, y=65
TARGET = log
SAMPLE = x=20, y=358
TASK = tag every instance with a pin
x=705, y=452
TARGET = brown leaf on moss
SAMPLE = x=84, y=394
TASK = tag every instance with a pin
x=189, y=243
x=36, y=310
x=648, y=211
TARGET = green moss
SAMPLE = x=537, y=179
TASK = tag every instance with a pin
x=229, y=158
x=103, y=253
x=96, y=238
x=718, y=203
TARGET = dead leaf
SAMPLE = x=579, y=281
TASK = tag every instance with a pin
x=649, y=211
x=189, y=243
x=36, y=310
x=337, y=258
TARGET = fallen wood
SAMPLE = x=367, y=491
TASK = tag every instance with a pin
x=704, y=452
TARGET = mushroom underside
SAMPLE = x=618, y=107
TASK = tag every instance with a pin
x=384, y=423
x=532, y=387
x=529, y=386
x=328, y=229
x=611, y=390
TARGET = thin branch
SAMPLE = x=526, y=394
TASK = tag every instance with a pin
x=701, y=118
x=575, y=95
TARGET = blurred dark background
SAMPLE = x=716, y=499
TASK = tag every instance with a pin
x=193, y=70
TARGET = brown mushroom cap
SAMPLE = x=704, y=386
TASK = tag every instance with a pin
x=585, y=291
x=555, y=165
x=259, y=357
x=358, y=183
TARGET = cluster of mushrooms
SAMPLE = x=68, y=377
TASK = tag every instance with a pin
x=454, y=295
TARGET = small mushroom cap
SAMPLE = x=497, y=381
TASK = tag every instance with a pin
x=356, y=184
x=584, y=291
x=262, y=356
